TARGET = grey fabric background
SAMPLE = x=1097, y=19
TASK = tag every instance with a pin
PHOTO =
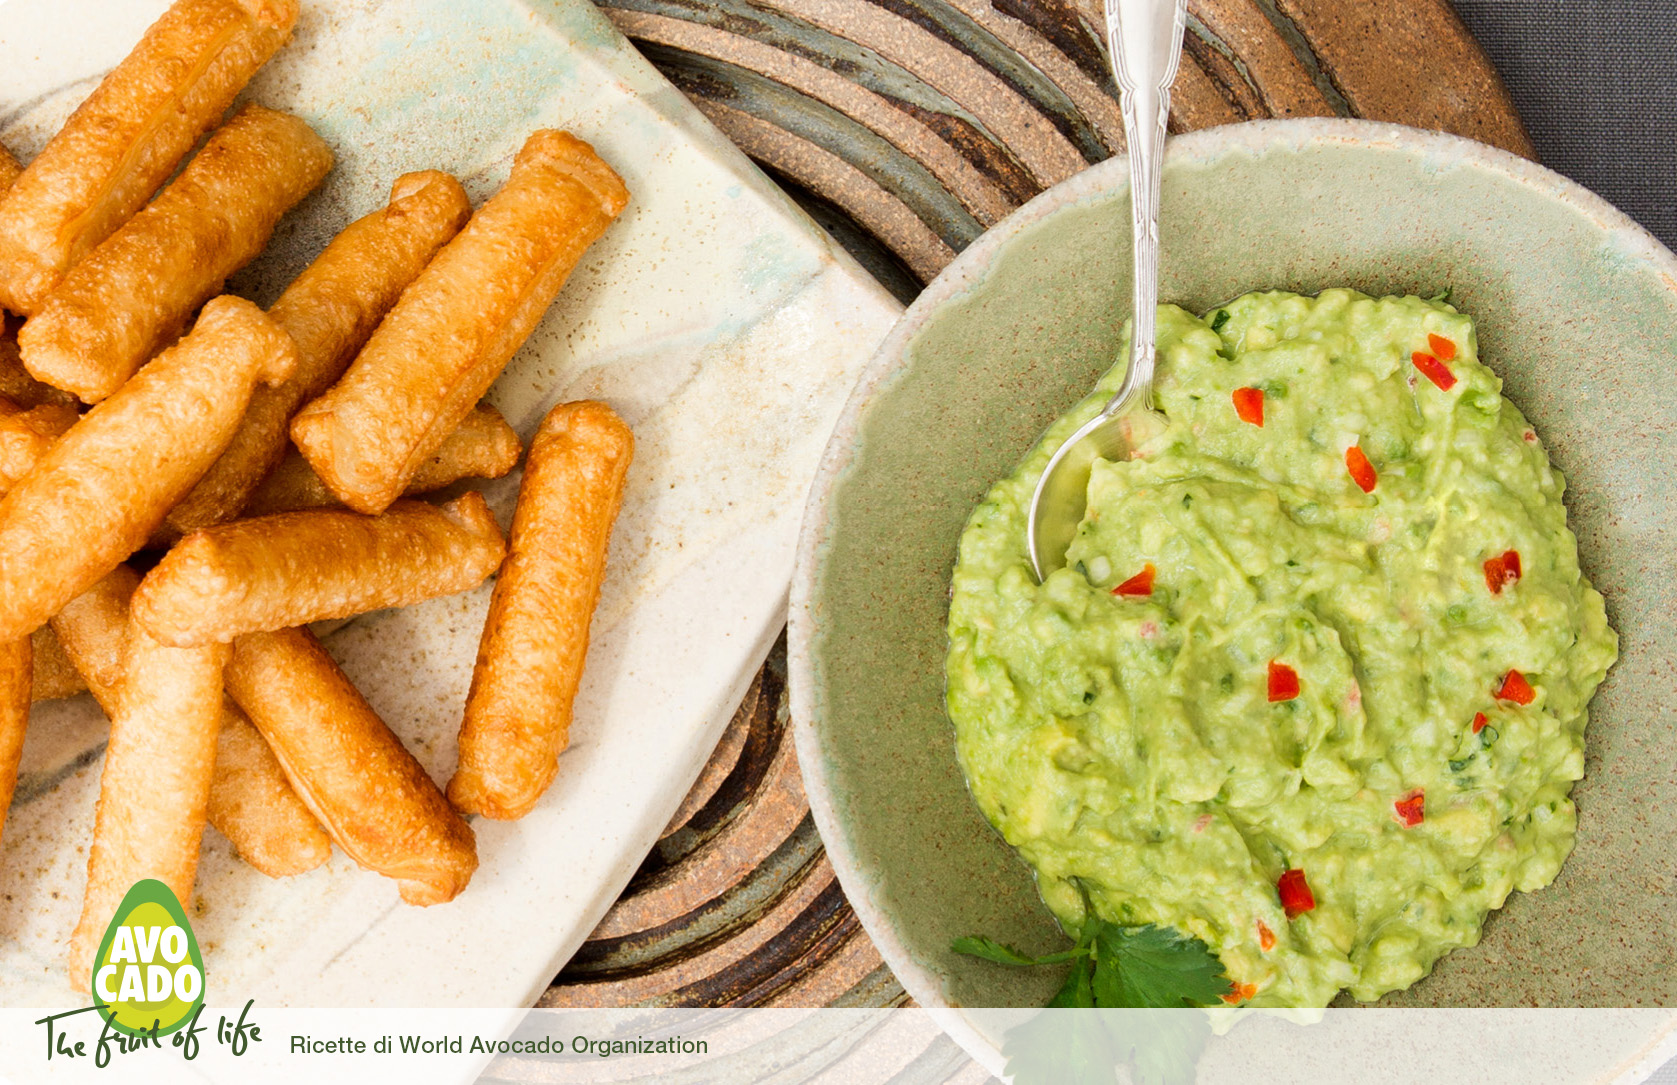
x=1596, y=83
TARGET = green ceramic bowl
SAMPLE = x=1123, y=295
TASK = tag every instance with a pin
x=1576, y=309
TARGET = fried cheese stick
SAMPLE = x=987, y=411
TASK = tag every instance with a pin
x=135, y=292
x=330, y=310
x=25, y=436
x=129, y=135
x=54, y=676
x=98, y=493
x=529, y=662
x=459, y=324
x=251, y=803
x=483, y=447
x=297, y=567
x=375, y=800
x=15, y=669
x=155, y=791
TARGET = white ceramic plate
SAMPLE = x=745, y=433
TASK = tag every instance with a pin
x=714, y=316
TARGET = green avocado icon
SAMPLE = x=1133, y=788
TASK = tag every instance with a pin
x=148, y=976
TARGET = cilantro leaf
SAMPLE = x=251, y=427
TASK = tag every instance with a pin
x=1085, y=1047
x=1118, y=967
x=1078, y=992
x=976, y=945
x=1128, y=972
x=1054, y=1047
x=1170, y=1051
x=1154, y=966
x=1218, y=319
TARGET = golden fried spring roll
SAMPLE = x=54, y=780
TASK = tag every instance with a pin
x=374, y=799
x=255, y=807
x=330, y=310
x=54, y=677
x=251, y=803
x=9, y=169
x=14, y=715
x=97, y=495
x=129, y=135
x=15, y=382
x=483, y=447
x=25, y=436
x=529, y=662
x=457, y=326
x=155, y=790
x=298, y=567
x=136, y=291
x=93, y=630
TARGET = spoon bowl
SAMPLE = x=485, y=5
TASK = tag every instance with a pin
x=1061, y=495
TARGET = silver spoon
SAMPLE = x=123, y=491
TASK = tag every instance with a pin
x=1145, y=41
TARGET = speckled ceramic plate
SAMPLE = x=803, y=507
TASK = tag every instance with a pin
x=1576, y=309
x=714, y=316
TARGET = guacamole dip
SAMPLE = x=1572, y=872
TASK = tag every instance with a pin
x=1312, y=687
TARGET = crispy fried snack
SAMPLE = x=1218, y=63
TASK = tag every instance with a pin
x=14, y=715
x=529, y=662
x=106, y=485
x=155, y=791
x=135, y=292
x=298, y=567
x=9, y=170
x=457, y=326
x=55, y=677
x=250, y=801
x=330, y=310
x=15, y=382
x=483, y=447
x=254, y=806
x=130, y=134
x=374, y=799
x=25, y=436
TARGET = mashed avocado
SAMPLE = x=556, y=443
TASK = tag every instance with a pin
x=1312, y=687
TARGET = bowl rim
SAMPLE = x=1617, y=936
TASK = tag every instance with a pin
x=969, y=268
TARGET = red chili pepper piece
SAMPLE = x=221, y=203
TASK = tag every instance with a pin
x=1241, y=992
x=1435, y=370
x=1249, y=404
x=1266, y=937
x=1296, y=897
x=1139, y=584
x=1283, y=682
x=1362, y=472
x=1479, y=722
x=1502, y=570
x=1442, y=348
x=1411, y=809
x=1515, y=688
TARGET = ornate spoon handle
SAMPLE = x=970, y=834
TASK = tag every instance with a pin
x=1145, y=39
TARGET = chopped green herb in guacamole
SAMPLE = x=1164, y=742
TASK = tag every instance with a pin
x=1312, y=686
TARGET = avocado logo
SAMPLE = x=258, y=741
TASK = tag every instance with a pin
x=148, y=977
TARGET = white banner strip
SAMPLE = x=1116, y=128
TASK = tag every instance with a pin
x=253, y=1045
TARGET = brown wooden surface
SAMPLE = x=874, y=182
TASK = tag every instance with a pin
x=907, y=127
